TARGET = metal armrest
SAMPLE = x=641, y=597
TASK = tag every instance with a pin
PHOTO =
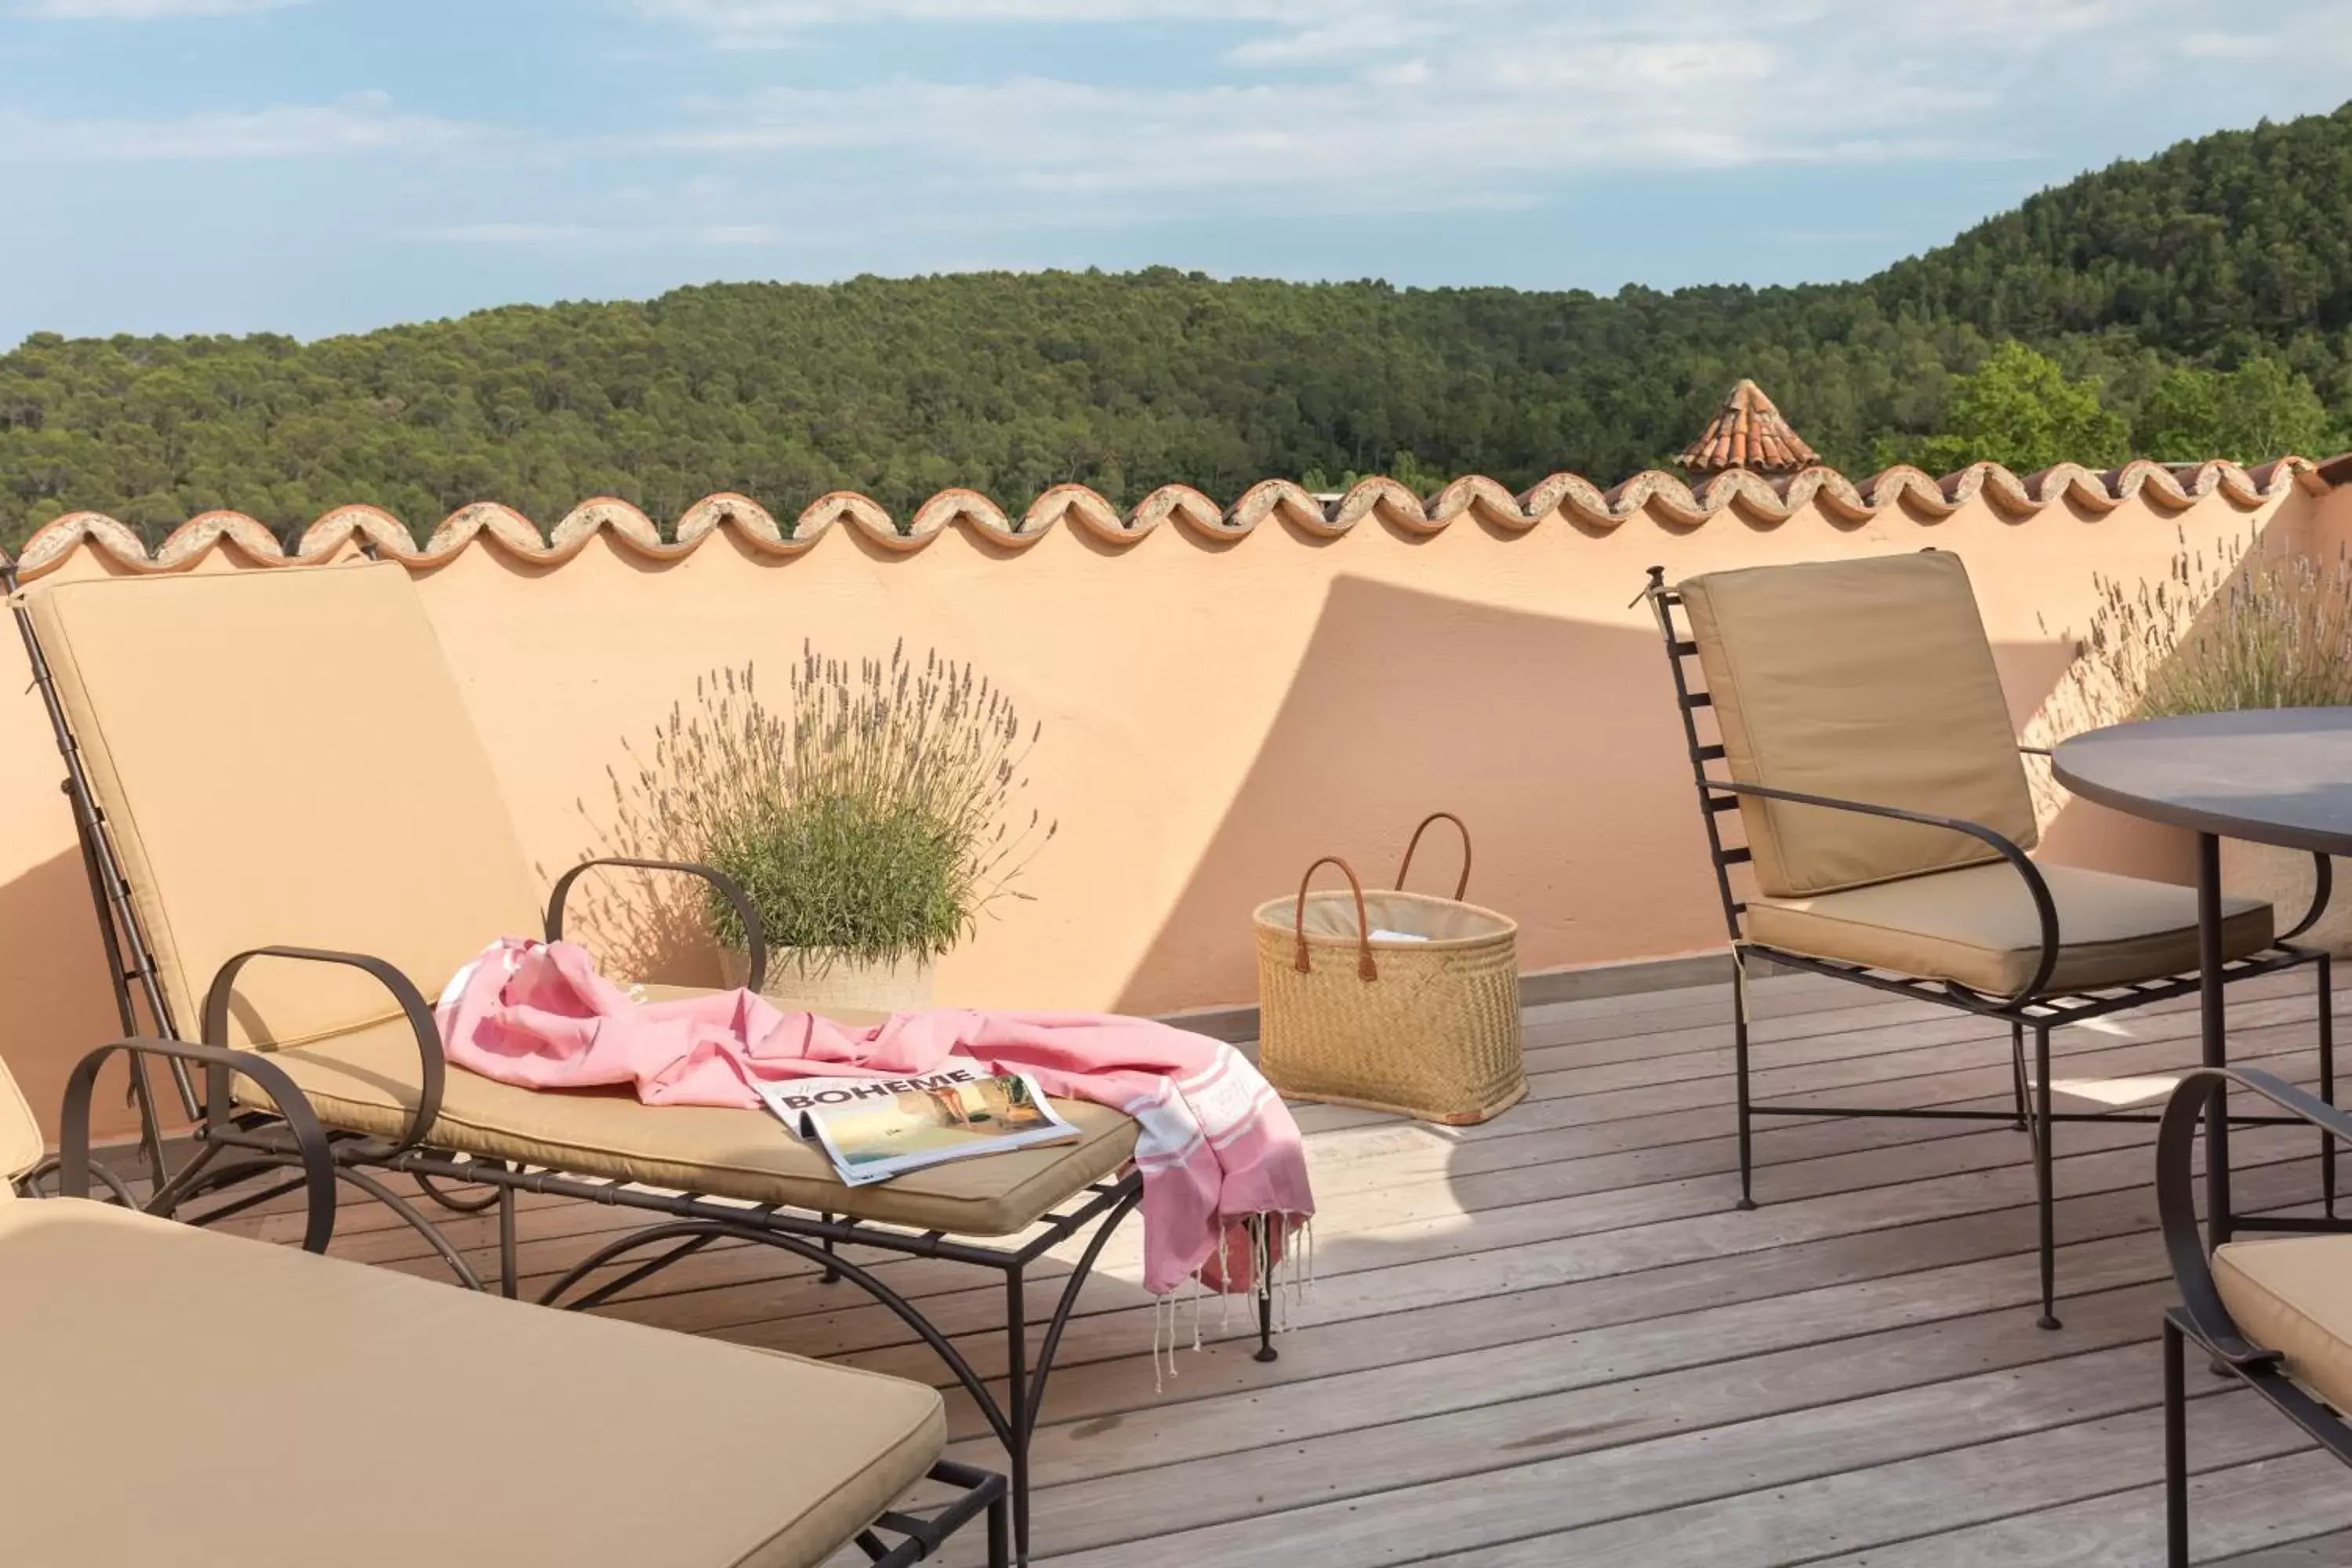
x=403, y=991
x=318, y=1160
x=2176, y=1196
x=2044, y=908
x=2322, y=882
x=2323, y=887
x=755, y=936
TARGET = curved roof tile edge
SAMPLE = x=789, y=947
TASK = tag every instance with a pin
x=1568, y=495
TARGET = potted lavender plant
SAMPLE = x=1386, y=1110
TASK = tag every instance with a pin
x=867, y=815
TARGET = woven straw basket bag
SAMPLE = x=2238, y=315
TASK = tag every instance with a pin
x=1391, y=1001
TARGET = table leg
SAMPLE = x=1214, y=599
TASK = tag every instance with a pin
x=2213, y=1032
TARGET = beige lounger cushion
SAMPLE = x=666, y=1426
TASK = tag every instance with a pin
x=316, y=1411
x=1868, y=680
x=321, y=785
x=1978, y=926
x=365, y=1081
x=2294, y=1295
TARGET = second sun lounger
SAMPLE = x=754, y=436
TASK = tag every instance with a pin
x=292, y=1409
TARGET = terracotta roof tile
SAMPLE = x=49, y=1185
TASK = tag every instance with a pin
x=1567, y=497
x=1748, y=432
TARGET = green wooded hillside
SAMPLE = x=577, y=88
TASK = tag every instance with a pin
x=2200, y=301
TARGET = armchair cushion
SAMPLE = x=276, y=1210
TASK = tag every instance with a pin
x=1869, y=681
x=2294, y=1295
x=1977, y=925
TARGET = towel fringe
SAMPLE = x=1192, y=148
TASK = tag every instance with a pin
x=1283, y=1279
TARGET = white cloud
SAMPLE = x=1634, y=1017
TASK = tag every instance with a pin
x=2214, y=46
x=1280, y=111
x=362, y=122
x=612, y=235
x=762, y=23
x=509, y=234
x=1478, y=124
x=143, y=10
x=1317, y=107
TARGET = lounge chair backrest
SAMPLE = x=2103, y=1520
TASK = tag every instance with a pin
x=20, y=1135
x=1869, y=681
x=283, y=758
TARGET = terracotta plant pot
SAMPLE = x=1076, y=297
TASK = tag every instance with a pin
x=805, y=980
x=2284, y=877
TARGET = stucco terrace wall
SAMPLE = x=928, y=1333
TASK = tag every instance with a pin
x=1225, y=694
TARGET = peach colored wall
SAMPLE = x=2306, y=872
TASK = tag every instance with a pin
x=1217, y=712
x=2325, y=526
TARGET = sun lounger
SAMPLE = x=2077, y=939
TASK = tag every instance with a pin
x=180, y=1395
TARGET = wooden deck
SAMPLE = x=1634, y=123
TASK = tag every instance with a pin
x=1551, y=1340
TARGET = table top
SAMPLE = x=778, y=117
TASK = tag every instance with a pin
x=2280, y=775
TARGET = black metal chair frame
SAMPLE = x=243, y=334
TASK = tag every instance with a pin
x=2034, y=1008
x=682, y=1223
x=893, y=1541
x=2201, y=1317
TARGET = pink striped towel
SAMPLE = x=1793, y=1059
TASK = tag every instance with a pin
x=1218, y=1149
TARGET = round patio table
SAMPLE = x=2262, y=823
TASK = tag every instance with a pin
x=2280, y=776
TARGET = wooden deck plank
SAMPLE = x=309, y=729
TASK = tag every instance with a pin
x=1837, y=1475
x=1995, y=1472
x=1550, y=1339
x=1386, y=1448
x=1121, y=1387
x=1552, y=1361
x=2281, y=1513
x=2297, y=1485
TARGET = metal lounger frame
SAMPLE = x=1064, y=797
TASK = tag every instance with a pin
x=682, y=1223
x=2034, y=1008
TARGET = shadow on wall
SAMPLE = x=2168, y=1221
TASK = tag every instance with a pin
x=1554, y=738
x=1404, y=703
x=55, y=1003
x=647, y=927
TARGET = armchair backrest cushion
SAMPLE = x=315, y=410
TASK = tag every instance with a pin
x=283, y=758
x=1870, y=680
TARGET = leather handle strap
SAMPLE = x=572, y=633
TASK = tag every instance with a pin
x=1460, y=886
x=1365, y=968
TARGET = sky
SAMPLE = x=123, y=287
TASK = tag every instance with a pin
x=323, y=166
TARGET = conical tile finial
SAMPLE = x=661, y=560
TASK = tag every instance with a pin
x=1748, y=432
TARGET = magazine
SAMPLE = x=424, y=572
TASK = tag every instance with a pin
x=874, y=1129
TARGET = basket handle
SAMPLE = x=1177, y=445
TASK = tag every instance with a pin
x=1365, y=968
x=1461, y=887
